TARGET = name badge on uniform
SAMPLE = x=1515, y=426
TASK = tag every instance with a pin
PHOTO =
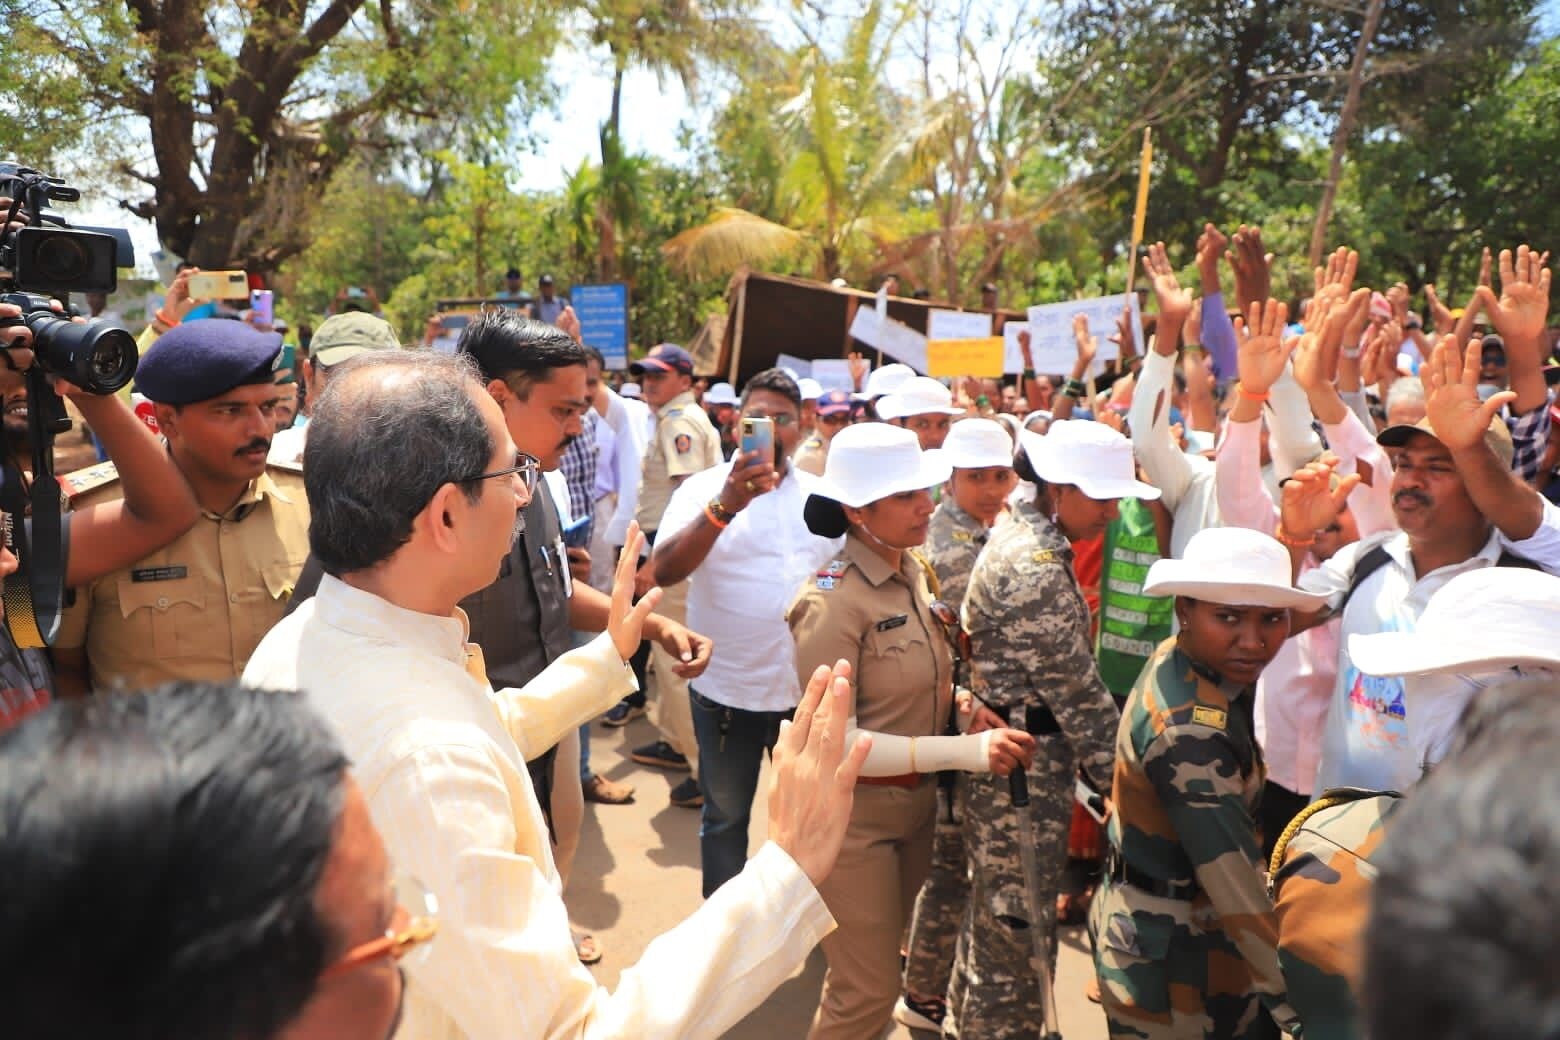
x=893, y=623
x=825, y=583
x=159, y=574
x=961, y=535
x=1205, y=716
x=1043, y=556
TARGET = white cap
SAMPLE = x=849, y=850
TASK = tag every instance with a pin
x=977, y=443
x=887, y=379
x=788, y=370
x=721, y=393
x=630, y=390
x=1491, y=618
x=871, y=461
x=1231, y=565
x=920, y=395
x=811, y=389
x=1089, y=455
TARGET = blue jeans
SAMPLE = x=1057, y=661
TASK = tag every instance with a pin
x=732, y=742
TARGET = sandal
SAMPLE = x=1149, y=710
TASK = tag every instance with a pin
x=586, y=947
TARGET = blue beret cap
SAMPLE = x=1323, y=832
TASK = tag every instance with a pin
x=201, y=359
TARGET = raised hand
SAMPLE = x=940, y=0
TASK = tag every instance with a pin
x=1397, y=296
x=1335, y=279
x=1261, y=353
x=1210, y=247
x=1452, y=403
x=1316, y=355
x=626, y=622
x=1310, y=501
x=859, y=368
x=815, y=774
x=1523, y=305
x=1025, y=339
x=1440, y=315
x=1174, y=302
x=1087, y=346
x=1253, y=268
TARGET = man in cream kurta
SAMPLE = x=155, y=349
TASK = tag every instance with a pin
x=441, y=756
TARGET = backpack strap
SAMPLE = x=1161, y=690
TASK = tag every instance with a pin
x=1370, y=561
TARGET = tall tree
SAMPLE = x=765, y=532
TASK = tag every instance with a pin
x=250, y=107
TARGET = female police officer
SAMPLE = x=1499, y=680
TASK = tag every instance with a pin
x=1034, y=666
x=873, y=607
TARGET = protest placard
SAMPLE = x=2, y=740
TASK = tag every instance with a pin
x=943, y=324
x=1051, y=335
x=954, y=358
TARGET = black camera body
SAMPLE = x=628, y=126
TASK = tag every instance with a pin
x=47, y=256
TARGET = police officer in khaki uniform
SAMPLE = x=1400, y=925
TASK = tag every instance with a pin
x=684, y=442
x=873, y=607
x=197, y=608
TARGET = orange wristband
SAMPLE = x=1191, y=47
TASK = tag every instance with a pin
x=720, y=525
x=1240, y=388
x=1288, y=539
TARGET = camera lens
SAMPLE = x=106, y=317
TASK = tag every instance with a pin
x=100, y=357
x=61, y=258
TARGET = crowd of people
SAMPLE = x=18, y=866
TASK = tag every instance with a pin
x=1240, y=651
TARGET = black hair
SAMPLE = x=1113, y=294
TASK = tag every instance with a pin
x=776, y=381
x=1023, y=467
x=596, y=356
x=379, y=449
x=162, y=855
x=508, y=345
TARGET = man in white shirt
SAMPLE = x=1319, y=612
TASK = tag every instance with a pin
x=413, y=511
x=736, y=533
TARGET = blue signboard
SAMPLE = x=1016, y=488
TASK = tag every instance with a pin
x=603, y=314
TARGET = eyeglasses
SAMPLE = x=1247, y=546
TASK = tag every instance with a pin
x=779, y=420
x=529, y=467
x=410, y=936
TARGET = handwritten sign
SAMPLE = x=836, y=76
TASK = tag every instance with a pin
x=965, y=357
x=1051, y=335
x=942, y=324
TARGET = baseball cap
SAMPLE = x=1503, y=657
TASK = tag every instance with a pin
x=545, y=279
x=343, y=336
x=835, y=402
x=1497, y=437
x=668, y=357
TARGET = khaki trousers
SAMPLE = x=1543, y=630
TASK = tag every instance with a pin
x=871, y=891
x=672, y=714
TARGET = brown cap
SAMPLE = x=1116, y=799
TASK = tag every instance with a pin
x=1497, y=437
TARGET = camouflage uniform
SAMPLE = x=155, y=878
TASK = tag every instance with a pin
x=1034, y=662
x=1191, y=959
x=952, y=543
x=1321, y=892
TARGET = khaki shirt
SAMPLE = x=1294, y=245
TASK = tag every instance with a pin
x=684, y=442
x=880, y=620
x=811, y=456
x=196, y=609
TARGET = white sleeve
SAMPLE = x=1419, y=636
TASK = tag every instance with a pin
x=687, y=502
x=1293, y=442
x=1543, y=545
x=893, y=755
x=1166, y=466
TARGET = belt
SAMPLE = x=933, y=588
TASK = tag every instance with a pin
x=1123, y=873
x=902, y=780
x=1037, y=719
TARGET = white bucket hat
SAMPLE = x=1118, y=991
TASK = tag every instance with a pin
x=886, y=380
x=1234, y=566
x=921, y=395
x=1089, y=455
x=977, y=443
x=630, y=390
x=868, y=462
x=722, y=393
x=811, y=389
x=1487, y=619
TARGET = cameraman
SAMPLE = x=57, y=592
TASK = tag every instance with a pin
x=157, y=508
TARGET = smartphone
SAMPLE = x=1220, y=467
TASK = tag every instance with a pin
x=355, y=293
x=577, y=534
x=1092, y=801
x=758, y=435
x=219, y=285
x=262, y=307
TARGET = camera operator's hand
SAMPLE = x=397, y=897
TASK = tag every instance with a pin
x=178, y=302
x=21, y=214
x=16, y=340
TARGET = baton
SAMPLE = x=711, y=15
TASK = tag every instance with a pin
x=1018, y=787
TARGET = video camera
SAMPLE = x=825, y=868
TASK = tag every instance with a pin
x=48, y=256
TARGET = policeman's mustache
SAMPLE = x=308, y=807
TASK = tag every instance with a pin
x=258, y=444
x=1411, y=496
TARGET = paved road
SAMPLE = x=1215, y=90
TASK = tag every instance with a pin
x=637, y=875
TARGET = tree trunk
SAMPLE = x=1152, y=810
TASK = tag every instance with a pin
x=611, y=169
x=1344, y=130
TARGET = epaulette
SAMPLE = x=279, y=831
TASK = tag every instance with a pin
x=80, y=483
